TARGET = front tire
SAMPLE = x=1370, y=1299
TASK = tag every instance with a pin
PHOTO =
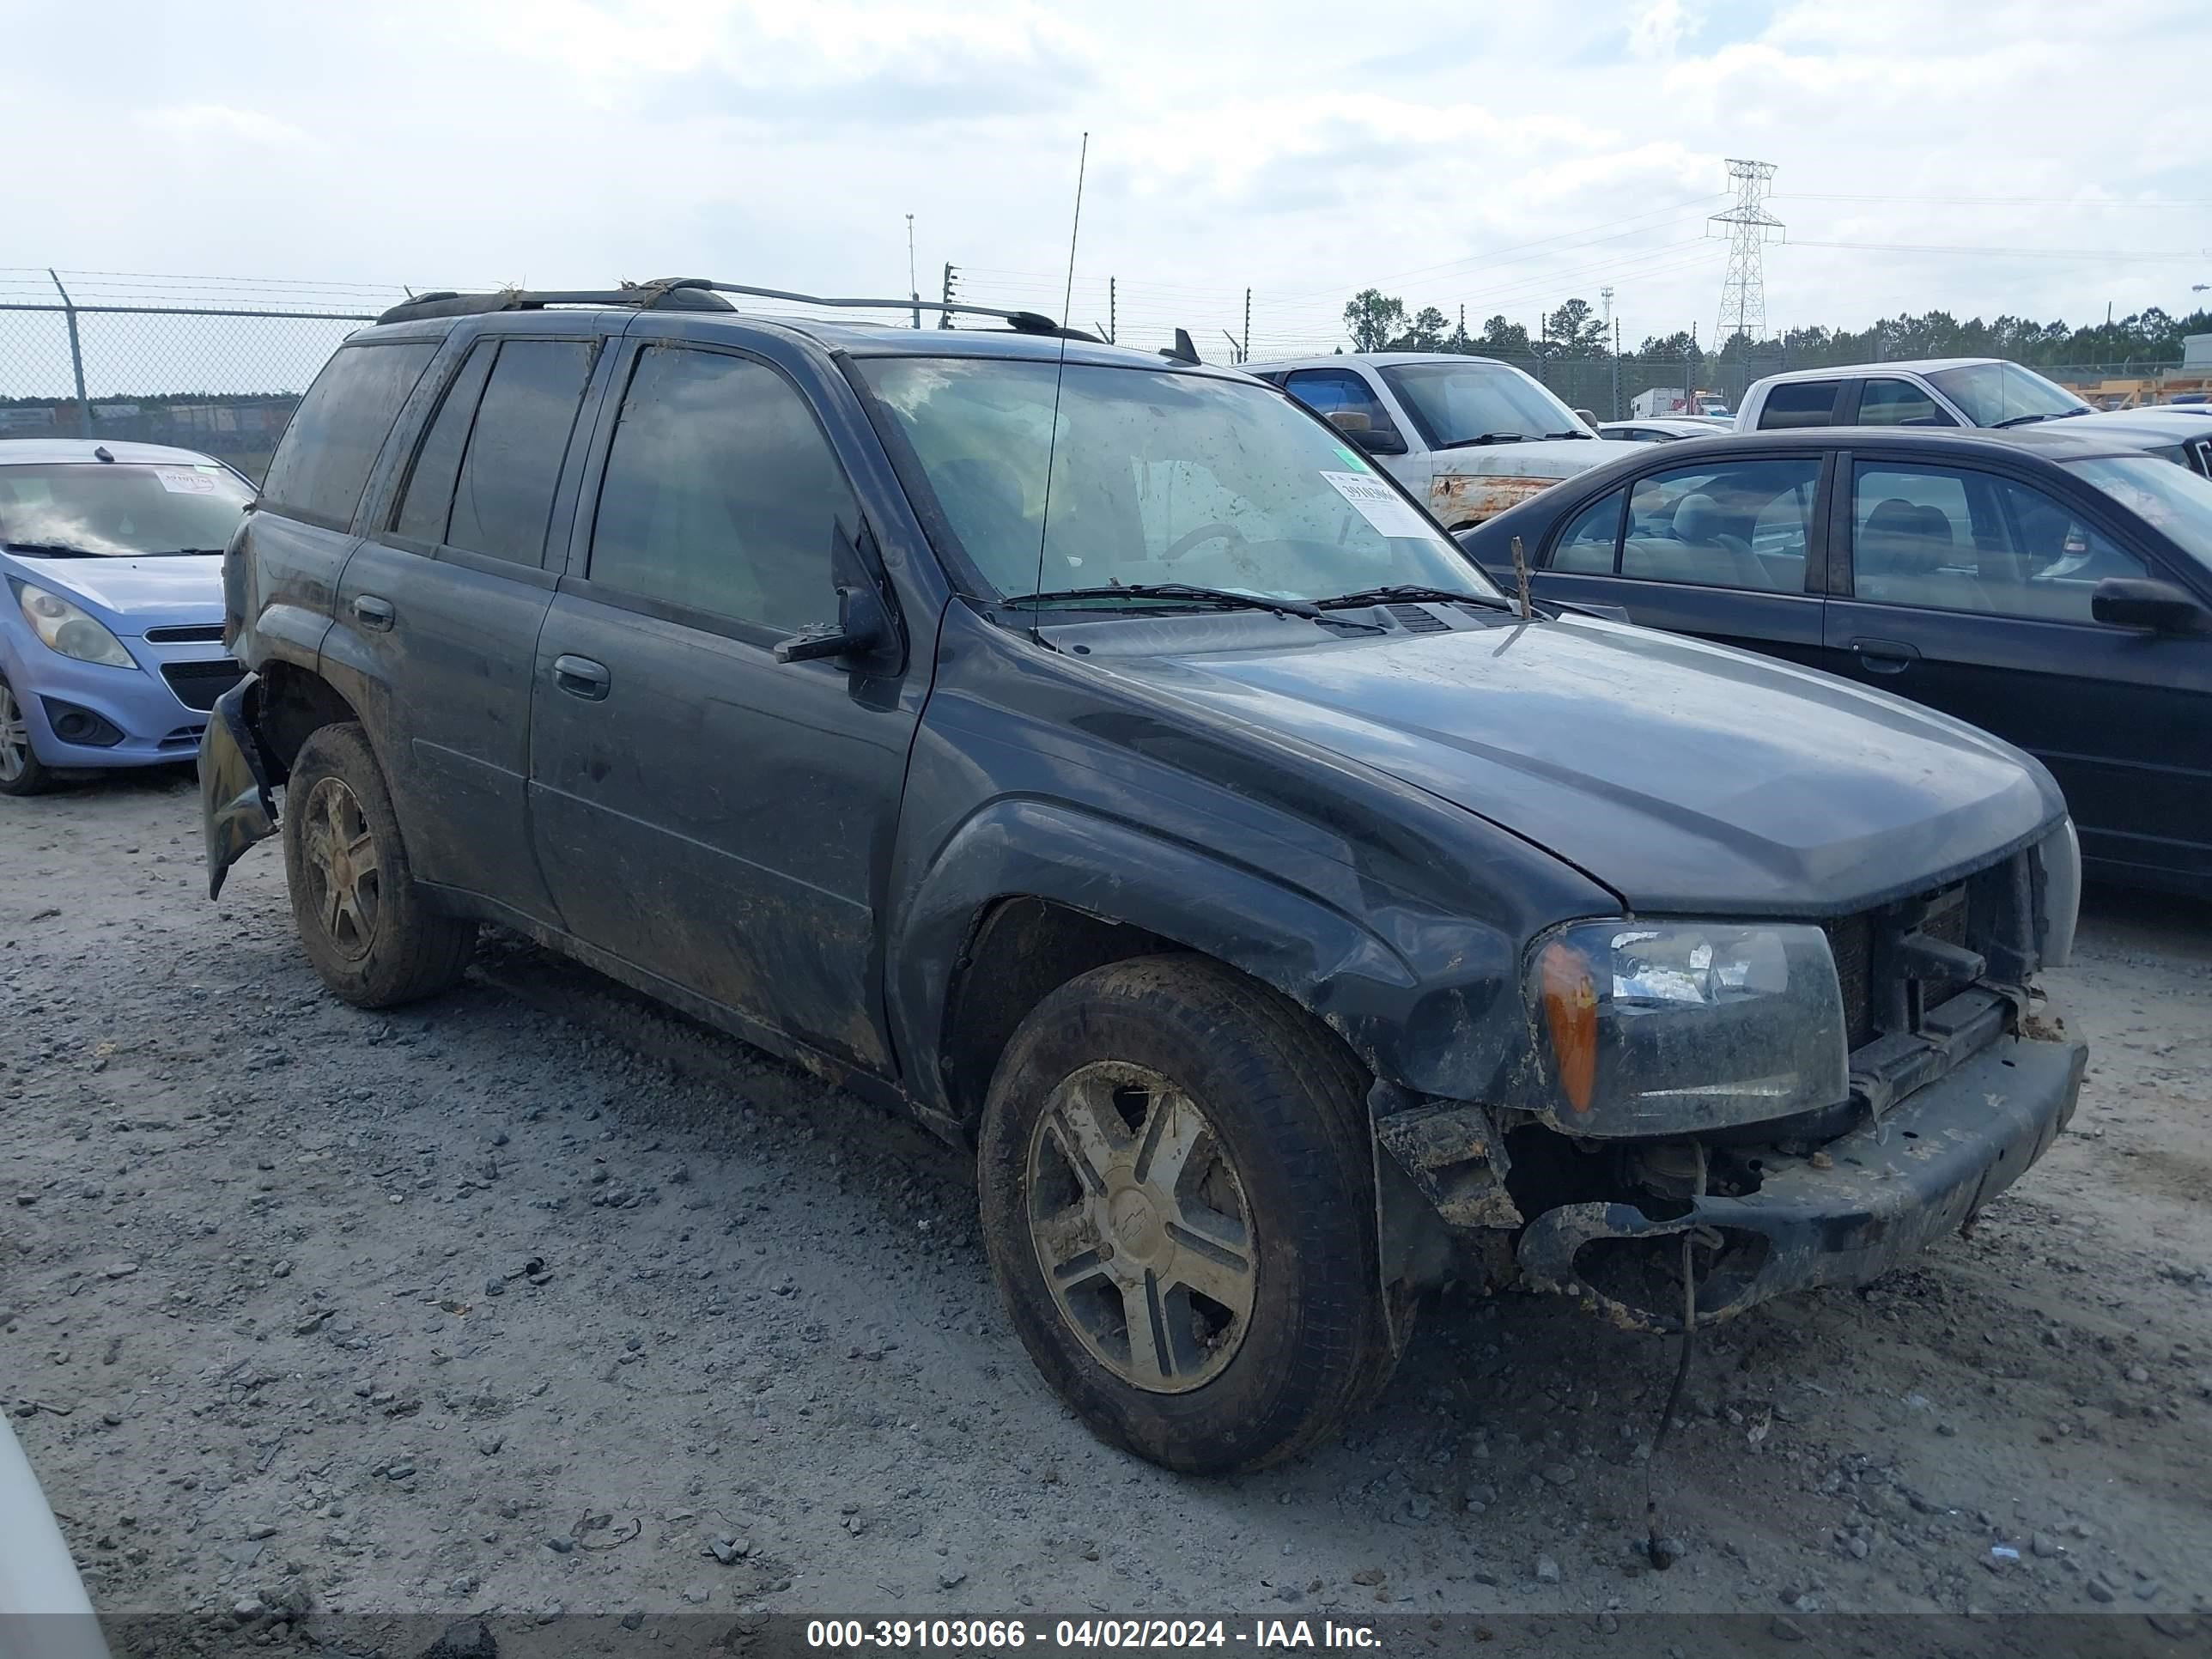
x=367, y=928
x=21, y=772
x=1177, y=1186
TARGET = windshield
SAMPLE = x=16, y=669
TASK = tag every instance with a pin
x=1992, y=393
x=1157, y=478
x=114, y=510
x=2169, y=498
x=1462, y=402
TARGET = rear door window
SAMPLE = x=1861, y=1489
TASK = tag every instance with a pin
x=1743, y=524
x=1799, y=402
x=503, y=496
x=1591, y=537
x=324, y=458
x=428, y=501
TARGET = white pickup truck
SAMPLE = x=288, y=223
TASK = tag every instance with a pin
x=1931, y=392
x=1471, y=436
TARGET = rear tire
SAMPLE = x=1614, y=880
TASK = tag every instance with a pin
x=1153, y=1125
x=367, y=928
x=21, y=772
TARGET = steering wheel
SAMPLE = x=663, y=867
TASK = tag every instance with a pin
x=1204, y=533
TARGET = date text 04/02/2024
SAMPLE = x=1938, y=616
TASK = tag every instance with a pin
x=1083, y=1635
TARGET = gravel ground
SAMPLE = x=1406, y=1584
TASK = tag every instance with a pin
x=536, y=1298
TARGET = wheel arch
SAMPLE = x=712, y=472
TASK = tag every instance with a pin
x=1028, y=895
x=293, y=704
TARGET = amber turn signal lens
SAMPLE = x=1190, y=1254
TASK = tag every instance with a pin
x=1570, y=1012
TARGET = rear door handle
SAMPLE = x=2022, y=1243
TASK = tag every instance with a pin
x=580, y=677
x=1884, y=656
x=373, y=611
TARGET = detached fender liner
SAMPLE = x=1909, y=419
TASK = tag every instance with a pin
x=1888, y=1189
x=236, y=808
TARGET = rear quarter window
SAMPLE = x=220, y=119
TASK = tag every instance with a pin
x=1799, y=402
x=324, y=457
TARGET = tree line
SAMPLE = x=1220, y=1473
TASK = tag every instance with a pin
x=1379, y=322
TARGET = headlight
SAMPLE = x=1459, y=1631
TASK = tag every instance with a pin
x=67, y=629
x=1672, y=1027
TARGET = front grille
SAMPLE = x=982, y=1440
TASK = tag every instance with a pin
x=195, y=634
x=1852, y=940
x=198, y=684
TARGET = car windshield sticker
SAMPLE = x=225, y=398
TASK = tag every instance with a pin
x=1353, y=458
x=1377, y=503
x=185, y=483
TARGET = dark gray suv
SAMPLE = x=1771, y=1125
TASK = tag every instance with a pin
x=1095, y=756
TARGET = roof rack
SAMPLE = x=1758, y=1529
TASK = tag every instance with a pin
x=699, y=294
x=1022, y=322
x=645, y=296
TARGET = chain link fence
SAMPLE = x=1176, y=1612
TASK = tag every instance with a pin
x=217, y=364
x=212, y=364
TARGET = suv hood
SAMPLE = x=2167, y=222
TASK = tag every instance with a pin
x=1684, y=776
x=135, y=594
x=1469, y=485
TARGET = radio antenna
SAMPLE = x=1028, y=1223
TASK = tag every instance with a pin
x=1060, y=378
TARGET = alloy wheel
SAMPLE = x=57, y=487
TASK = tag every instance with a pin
x=342, y=867
x=1141, y=1227
x=15, y=736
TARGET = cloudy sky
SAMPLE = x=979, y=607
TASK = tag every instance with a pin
x=2042, y=159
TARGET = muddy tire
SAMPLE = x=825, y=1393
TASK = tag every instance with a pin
x=367, y=928
x=1176, y=1190
x=21, y=772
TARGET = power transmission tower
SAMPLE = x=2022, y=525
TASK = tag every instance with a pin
x=1743, y=293
x=945, y=318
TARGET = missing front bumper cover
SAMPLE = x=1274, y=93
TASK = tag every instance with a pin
x=1866, y=1201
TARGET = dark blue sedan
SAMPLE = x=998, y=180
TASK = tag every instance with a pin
x=2053, y=587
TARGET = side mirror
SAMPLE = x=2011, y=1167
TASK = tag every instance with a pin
x=1359, y=426
x=2158, y=607
x=862, y=626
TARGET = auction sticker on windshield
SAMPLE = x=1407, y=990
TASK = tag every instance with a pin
x=201, y=483
x=1378, y=504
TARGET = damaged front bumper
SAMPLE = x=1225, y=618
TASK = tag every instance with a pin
x=236, y=807
x=1841, y=1215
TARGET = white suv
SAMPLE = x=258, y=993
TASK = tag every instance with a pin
x=1935, y=391
x=1471, y=436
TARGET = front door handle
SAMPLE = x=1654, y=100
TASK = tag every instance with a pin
x=1884, y=656
x=580, y=677
x=371, y=611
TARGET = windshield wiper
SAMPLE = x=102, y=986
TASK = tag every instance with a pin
x=2046, y=414
x=1486, y=438
x=168, y=552
x=1410, y=593
x=1570, y=434
x=51, y=549
x=1224, y=598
